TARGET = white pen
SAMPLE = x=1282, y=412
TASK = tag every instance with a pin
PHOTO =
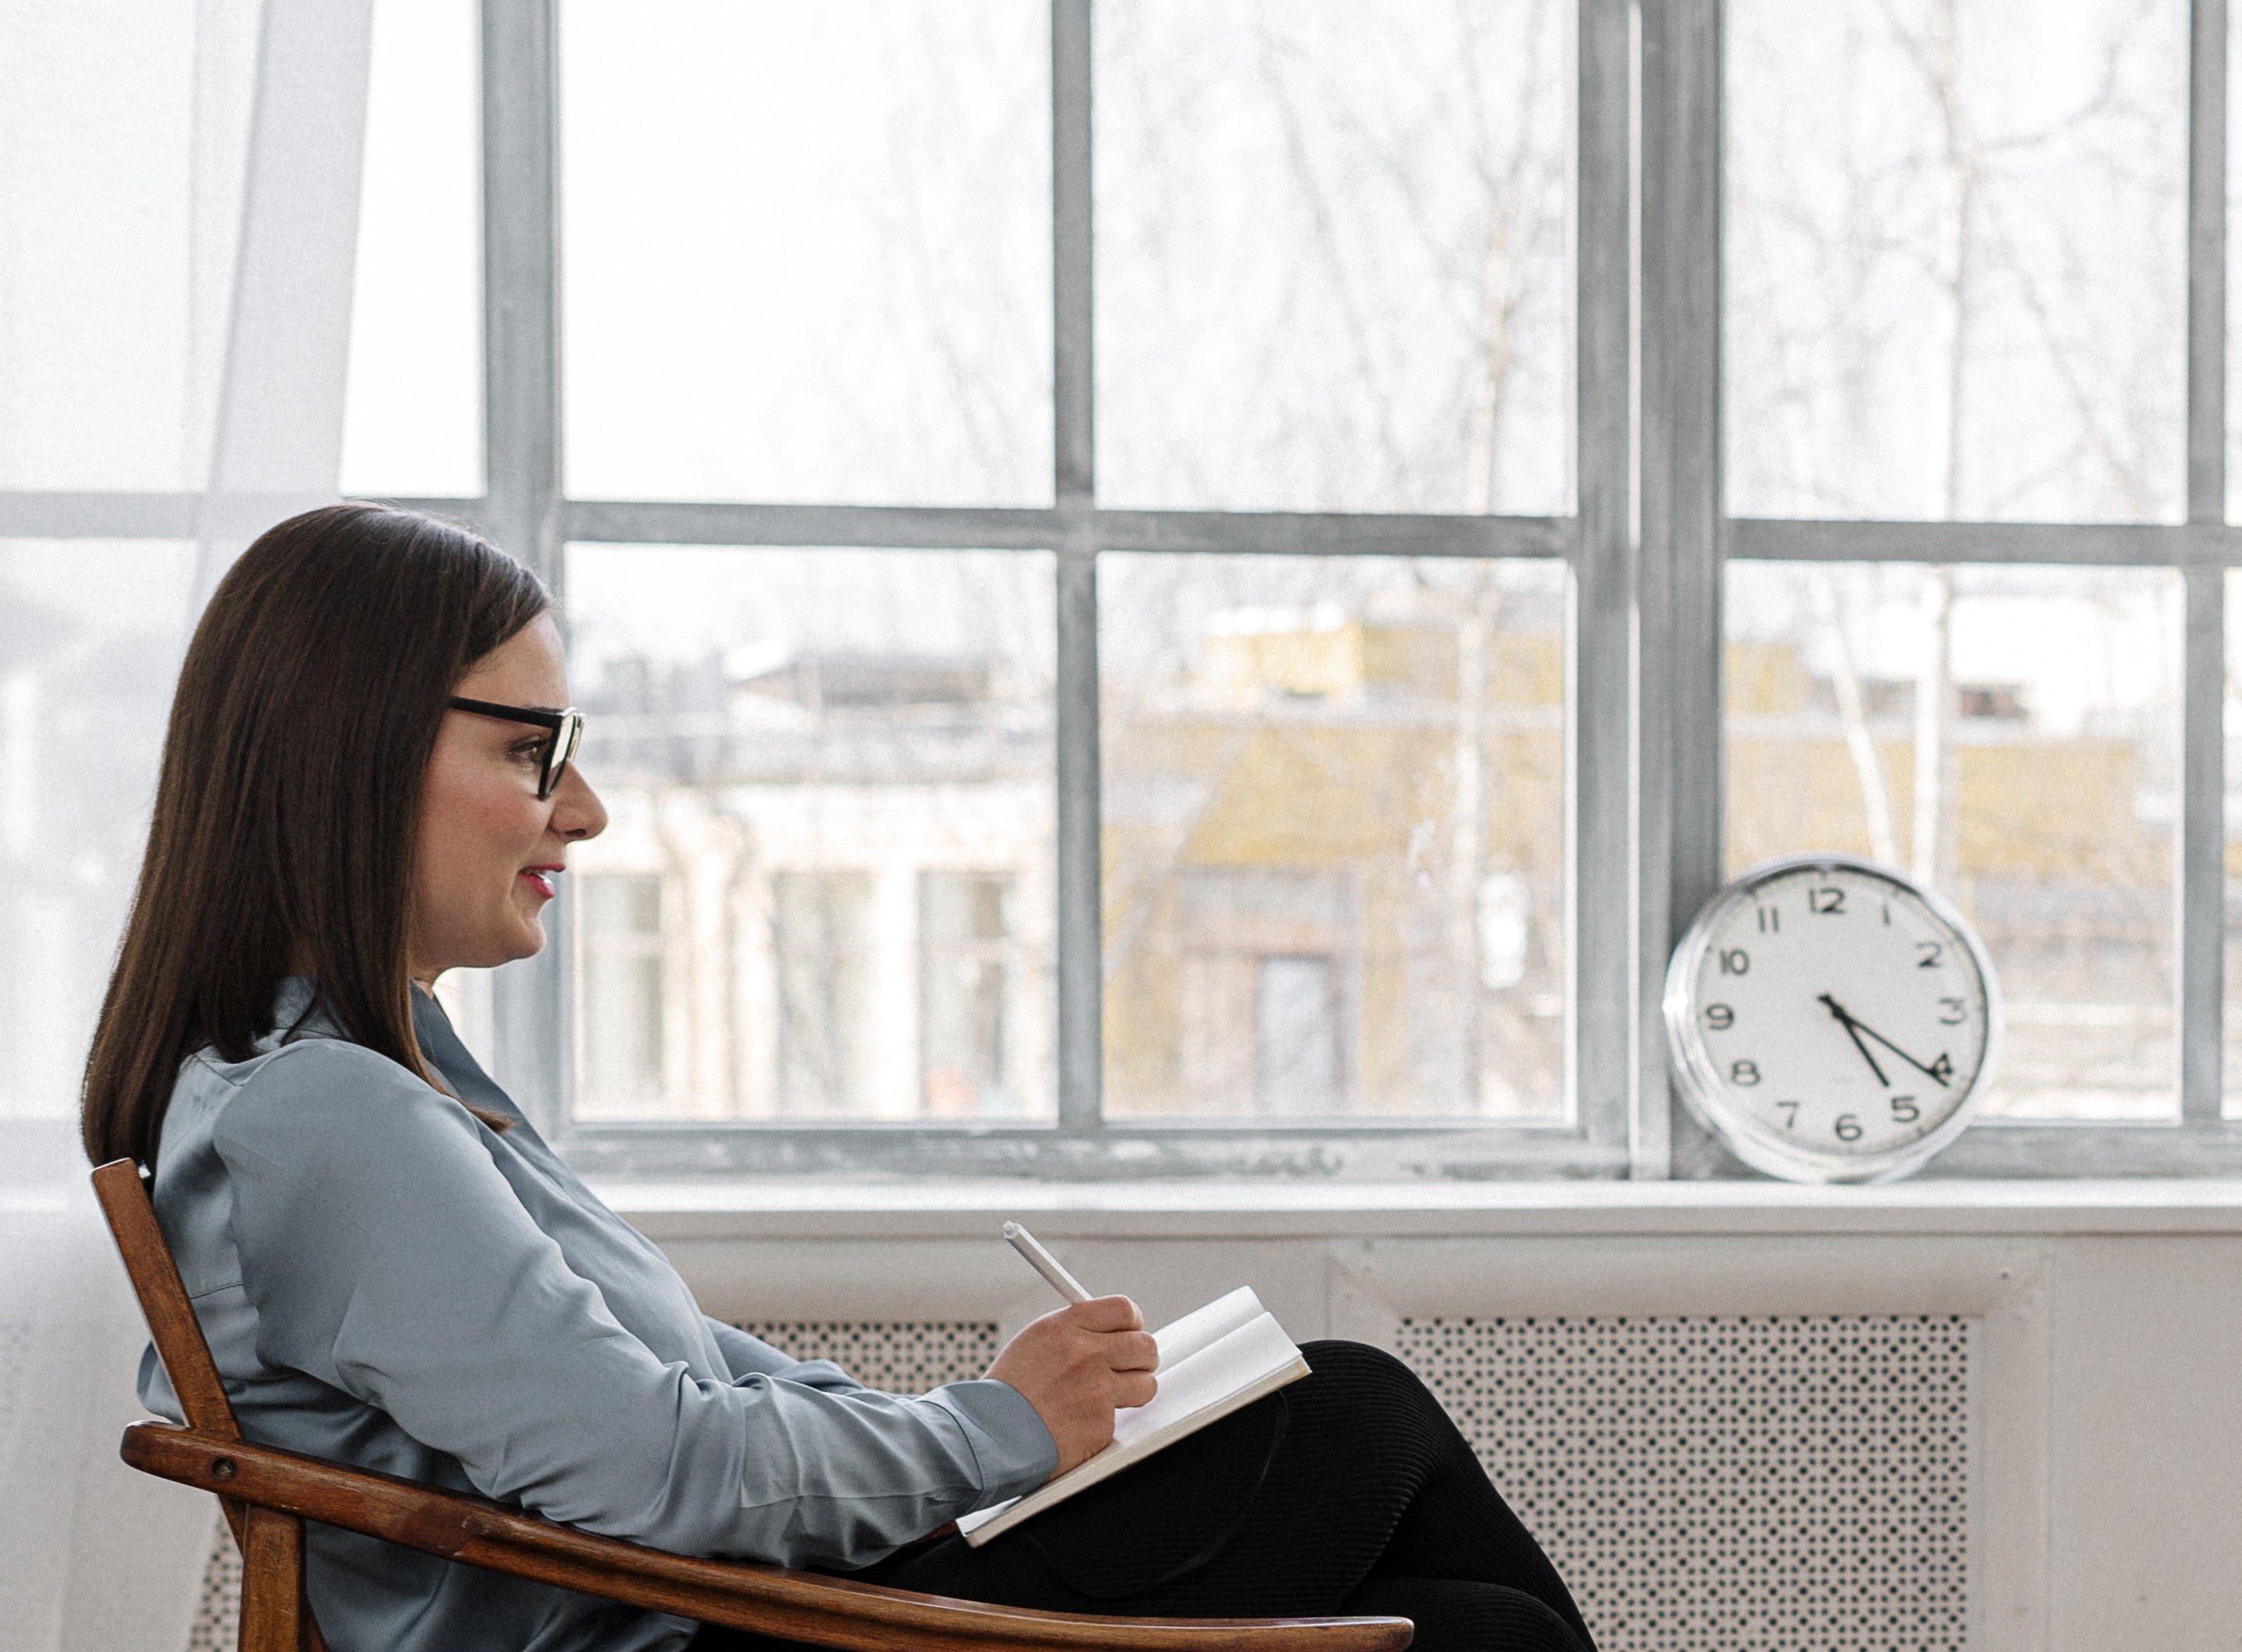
x=1045, y=1263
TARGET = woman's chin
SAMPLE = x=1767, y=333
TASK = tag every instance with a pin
x=526, y=934
x=523, y=938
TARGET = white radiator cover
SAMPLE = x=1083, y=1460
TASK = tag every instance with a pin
x=1731, y=1483
x=1735, y=1445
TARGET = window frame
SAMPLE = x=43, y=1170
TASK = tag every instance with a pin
x=1646, y=547
x=526, y=509
x=1645, y=550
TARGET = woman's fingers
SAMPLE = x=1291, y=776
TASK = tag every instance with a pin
x=1119, y=1339
x=1132, y=1355
x=1134, y=1389
x=1105, y=1313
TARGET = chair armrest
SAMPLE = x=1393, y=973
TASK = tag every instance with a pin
x=800, y=1606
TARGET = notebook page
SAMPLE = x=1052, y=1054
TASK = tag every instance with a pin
x=1217, y=1370
x=1180, y=1338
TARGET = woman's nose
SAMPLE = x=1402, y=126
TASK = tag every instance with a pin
x=577, y=812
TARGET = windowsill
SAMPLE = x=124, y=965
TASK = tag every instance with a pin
x=743, y=1209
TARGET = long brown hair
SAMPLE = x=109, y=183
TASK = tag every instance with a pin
x=288, y=800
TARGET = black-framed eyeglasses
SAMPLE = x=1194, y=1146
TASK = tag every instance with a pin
x=562, y=729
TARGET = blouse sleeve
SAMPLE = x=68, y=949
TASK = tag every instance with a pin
x=386, y=1255
x=748, y=1355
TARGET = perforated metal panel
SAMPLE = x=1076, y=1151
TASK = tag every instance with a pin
x=217, y=1627
x=1729, y=1484
x=907, y=1357
x=904, y=1358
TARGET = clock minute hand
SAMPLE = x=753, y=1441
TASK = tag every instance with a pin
x=1859, y=1027
x=1930, y=1072
x=1847, y=1022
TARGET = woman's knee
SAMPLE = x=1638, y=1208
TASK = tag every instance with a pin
x=1368, y=1382
x=1353, y=1355
x=1359, y=1370
x=1360, y=1362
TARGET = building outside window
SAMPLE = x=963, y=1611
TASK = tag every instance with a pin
x=968, y=965
x=1298, y=1067
x=618, y=968
x=821, y=945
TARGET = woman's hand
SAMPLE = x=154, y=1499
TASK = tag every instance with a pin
x=1076, y=1367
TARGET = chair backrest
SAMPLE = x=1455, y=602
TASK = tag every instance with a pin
x=171, y=1316
x=275, y=1616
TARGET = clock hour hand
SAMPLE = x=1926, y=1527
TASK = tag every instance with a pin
x=1847, y=1022
x=1938, y=1072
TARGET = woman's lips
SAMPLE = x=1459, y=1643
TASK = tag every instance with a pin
x=538, y=880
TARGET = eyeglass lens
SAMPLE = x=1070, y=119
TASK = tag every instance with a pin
x=561, y=747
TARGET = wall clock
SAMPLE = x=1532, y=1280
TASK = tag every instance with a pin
x=1831, y=1020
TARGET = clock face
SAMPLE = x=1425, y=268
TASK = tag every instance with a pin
x=1831, y=1021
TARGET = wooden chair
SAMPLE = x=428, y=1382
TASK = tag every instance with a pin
x=268, y=1494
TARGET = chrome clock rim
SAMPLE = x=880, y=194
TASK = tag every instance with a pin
x=1697, y=1077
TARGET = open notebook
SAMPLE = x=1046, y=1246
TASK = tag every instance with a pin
x=1212, y=1361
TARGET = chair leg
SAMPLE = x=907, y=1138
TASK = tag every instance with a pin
x=272, y=1615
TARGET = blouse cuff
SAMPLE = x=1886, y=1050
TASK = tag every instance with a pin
x=1013, y=1449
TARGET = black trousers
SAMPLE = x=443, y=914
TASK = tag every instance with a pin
x=1349, y=1492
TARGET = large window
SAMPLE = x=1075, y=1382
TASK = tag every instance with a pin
x=1974, y=405
x=1213, y=496
x=1199, y=587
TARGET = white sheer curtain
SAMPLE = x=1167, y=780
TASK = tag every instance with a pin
x=179, y=188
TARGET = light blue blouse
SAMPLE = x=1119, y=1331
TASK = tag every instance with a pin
x=386, y=1281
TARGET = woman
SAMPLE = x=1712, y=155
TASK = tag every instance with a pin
x=366, y=782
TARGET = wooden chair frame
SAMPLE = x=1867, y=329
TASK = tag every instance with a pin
x=268, y=1494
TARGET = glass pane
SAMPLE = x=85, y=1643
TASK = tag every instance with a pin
x=825, y=892
x=91, y=634
x=110, y=280
x=1333, y=827
x=1296, y=1031
x=1956, y=267
x=969, y=956
x=807, y=249
x=412, y=418
x=1333, y=269
x=619, y=964
x=2041, y=800
x=822, y=937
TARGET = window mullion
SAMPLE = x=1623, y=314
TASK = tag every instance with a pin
x=1678, y=604
x=1080, y=967
x=1598, y=667
x=521, y=423
x=2201, y=892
